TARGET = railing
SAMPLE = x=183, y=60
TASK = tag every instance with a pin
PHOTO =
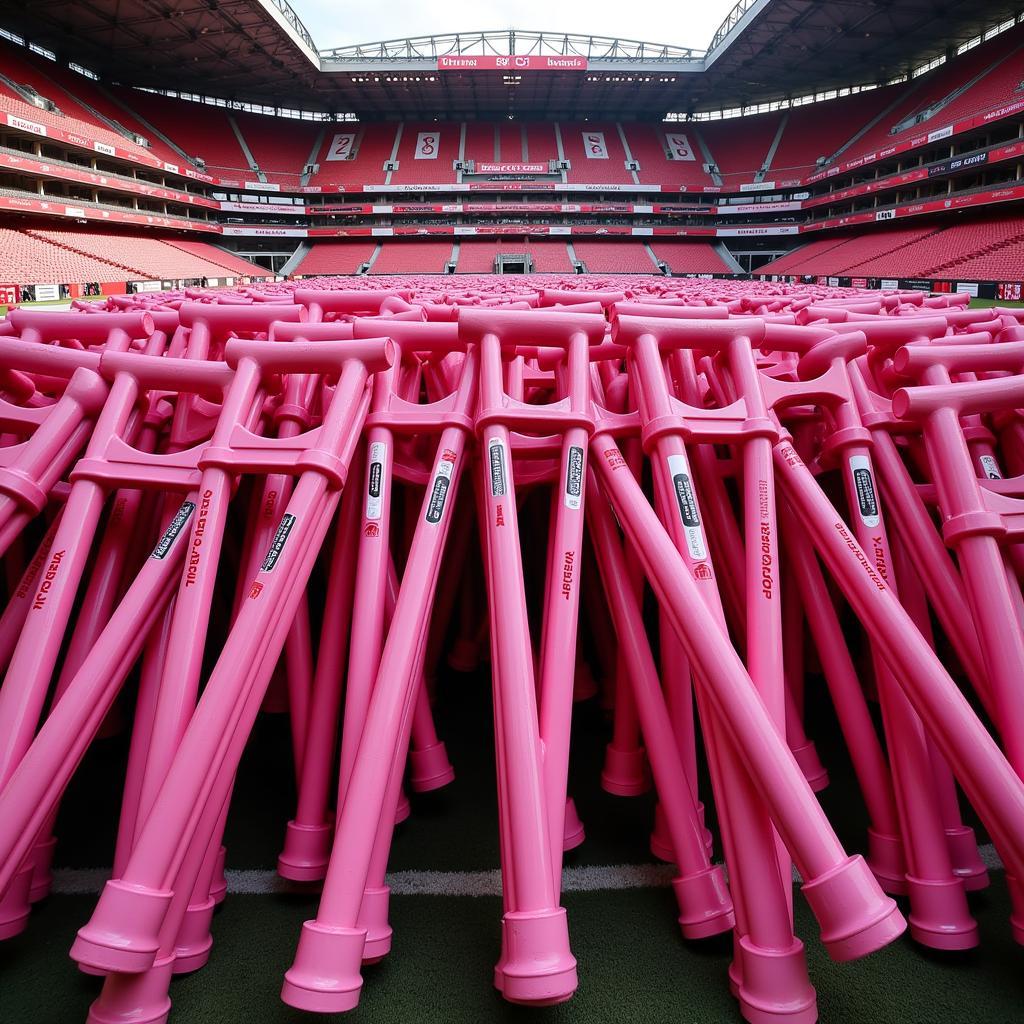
x=509, y=42
x=293, y=19
x=732, y=19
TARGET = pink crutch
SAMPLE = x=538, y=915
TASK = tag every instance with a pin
x=188, y=806
x=325, y=974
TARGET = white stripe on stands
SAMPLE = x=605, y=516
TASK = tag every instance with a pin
x=85, y=881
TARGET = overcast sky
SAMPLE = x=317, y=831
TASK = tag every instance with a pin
x=684, y=24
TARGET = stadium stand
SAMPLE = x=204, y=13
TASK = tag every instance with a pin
x=114, y=182
x=426, y=153
x=852, y=252
x=988, y=250
x=477, y=256
x=372, y=146
x=587, y=167
x=510, y=142
x=920, y=96
x=480, y=142
x=280, y=146
x=949, y=249
x=783, y=146
x=609, y=257
x=802, y=259
x=413, y=257
x=70, y=90
x=330, y=257
x=25, y=68
x=540, y=143
x=648, y=146
x=550, y=256
x=44, y=256
x=1000, y=263
x=218, y=257
x=140, y=256
x=10, y=103
x=31, y=260
x=819, y=129
x=739, y=151
x=686, y=257
x=199, y=130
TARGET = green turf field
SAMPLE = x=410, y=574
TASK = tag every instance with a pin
x=633, y=964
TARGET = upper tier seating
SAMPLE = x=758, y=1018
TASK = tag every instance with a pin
x=510, y=141
x=740, y=147
x=439, y=150
x=586, y=168
x=648, y=146
x=280, y=146
x=70, y=90
x=480, y=142
x=12, y=104
x=541, y=144
x=819, y=129
x=929, y=89
x=198, y=129
x=372, y=146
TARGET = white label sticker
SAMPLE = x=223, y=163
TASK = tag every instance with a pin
x=497, y=462
x=686, y=498
x=375, y=479
x=574, y=478
x=990, y=467
x=864, y=486
x=439, y=490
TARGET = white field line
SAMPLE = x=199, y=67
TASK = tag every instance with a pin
x=79, y=881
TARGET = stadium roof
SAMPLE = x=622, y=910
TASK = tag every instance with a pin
x=259, y=51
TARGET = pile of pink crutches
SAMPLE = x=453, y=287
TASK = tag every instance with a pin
x=757, y=456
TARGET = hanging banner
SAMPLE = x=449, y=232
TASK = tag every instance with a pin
x=679, y=147
x=594, y=146
x=342, y=146
x=427, y=145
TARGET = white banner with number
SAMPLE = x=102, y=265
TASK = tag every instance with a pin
x=679, y=147
x=341, y=146
x=594, y=146
x=427, y=145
